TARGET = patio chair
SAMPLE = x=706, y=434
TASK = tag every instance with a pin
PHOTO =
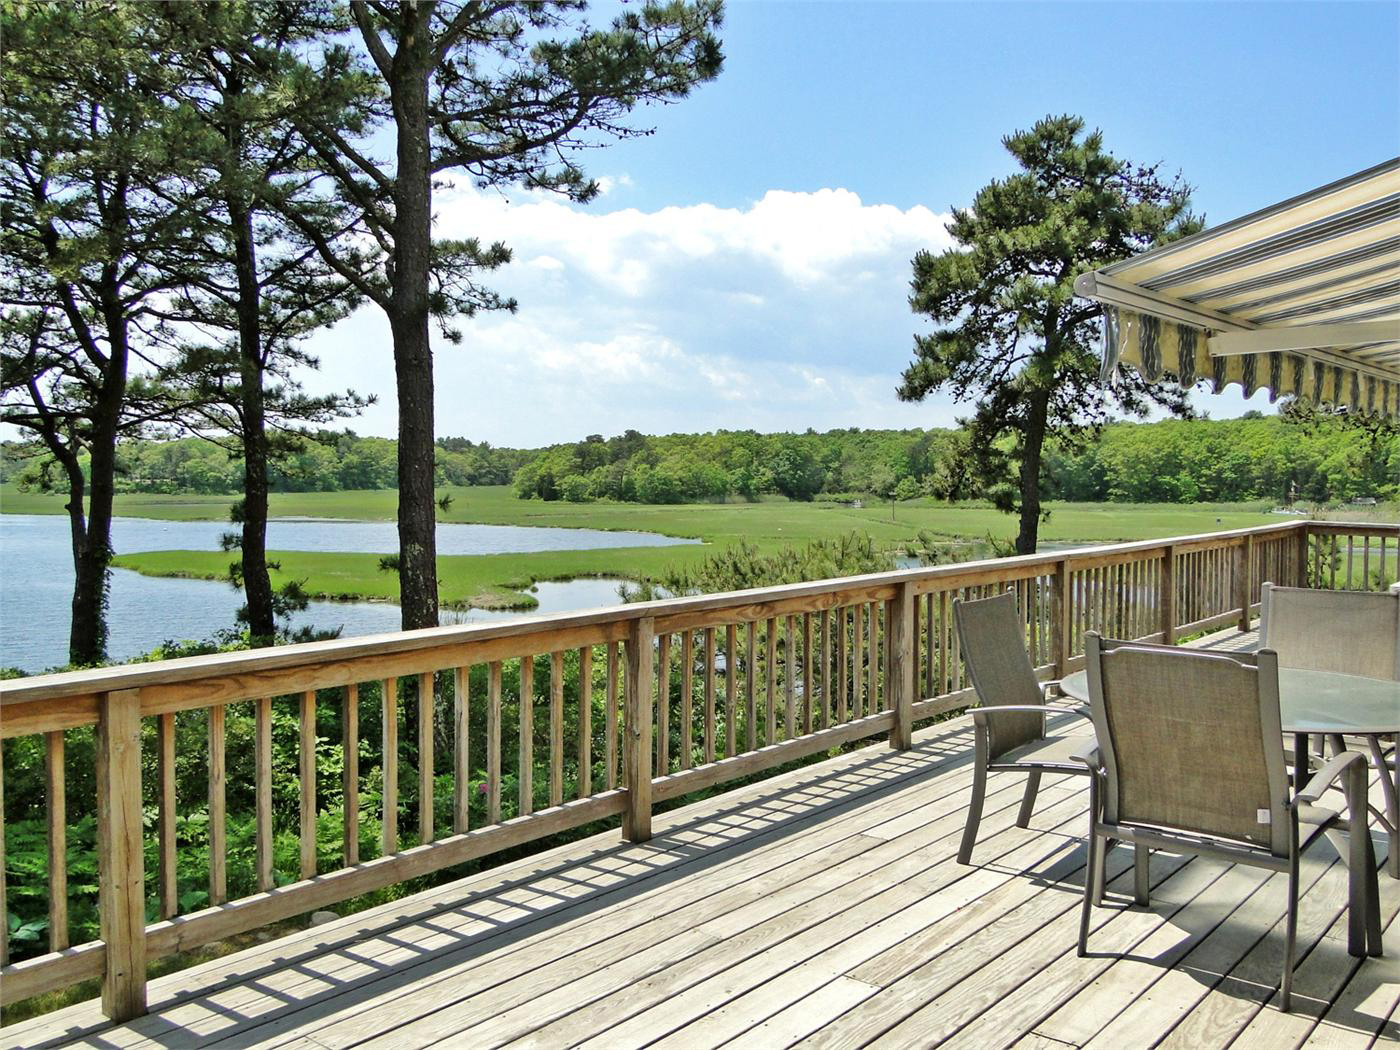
x=1010, y=722
x=1361, y=637
x=1189, y=759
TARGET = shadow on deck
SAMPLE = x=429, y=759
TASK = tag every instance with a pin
x=823, y=907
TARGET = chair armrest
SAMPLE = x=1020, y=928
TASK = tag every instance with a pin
x=1328, y=775
x=1037, y=709
x=1089, y=753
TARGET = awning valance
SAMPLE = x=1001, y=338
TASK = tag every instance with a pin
x=1302, y=298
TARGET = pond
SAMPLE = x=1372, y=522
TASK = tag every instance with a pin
x=36, y=583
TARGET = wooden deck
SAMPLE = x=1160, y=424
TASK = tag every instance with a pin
x=824, y=908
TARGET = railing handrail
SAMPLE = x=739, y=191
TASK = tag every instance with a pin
x=183, y=670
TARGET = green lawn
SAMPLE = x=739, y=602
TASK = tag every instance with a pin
x=498, y=579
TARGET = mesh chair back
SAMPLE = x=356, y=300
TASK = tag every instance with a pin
x=1191, y=741
x=1347, y=632
x=994, y=649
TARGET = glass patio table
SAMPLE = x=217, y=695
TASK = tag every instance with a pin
x=1327, y=704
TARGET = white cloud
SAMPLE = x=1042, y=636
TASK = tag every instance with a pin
x=790, y=313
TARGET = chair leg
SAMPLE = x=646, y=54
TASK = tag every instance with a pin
x=1090, y=867
x=1291, y=932
x=1360, y=874
x=1373, y=903
x=974, y=812
x=1141, y=893
x=1090, y=882
x=1023, y=819
x=1390, y=790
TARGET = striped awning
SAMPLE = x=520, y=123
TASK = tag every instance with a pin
x=1302, y=298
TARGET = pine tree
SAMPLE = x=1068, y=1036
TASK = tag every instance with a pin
x=505, y=93
x=1012, y=338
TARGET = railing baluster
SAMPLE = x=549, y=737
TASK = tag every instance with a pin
x=945, y=685
x=585, y=721
x=842, y=694
x=790, y=679
x=525, y=776
x=709, y=694
x=872, y=668
x=825, y=668
x=350, y=783
x=262, y=778
x=750, y=700
x=493, y=742
x=461, y=749
x=389, y=704
x=307, y=777
x=731, y=678
x=218, y=807
x=770, y=679
x=955, y=657
x=610, y=718
x=930, y=649
x=857, y=660
x=687, y=699
x=899, y=672
x=807, y=726
x=663, y=704
x=556, y=729
x=427, y=764
x=57, y=791
x=169, y=892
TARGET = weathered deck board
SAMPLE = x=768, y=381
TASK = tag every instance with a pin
x=823, y=908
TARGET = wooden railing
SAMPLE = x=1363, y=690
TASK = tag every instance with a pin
x=527, y=728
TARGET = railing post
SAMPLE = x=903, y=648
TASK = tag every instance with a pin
x=636, y=818
x=1168, y=595
x=1304, y=546
x=1059, y=617
x=1244, y=592
x=120, y=860
x=901, y=670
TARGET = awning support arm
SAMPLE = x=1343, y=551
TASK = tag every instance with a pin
x=1303, y=337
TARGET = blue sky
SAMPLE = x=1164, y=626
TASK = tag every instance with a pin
x=748, y=263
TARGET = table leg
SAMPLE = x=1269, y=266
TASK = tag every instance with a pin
x=1302, y=744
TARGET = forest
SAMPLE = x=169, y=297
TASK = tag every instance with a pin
x=1320, y=460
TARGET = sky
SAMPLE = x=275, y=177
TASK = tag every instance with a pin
x=747, y=265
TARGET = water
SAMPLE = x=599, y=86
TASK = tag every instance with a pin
x=36, y=580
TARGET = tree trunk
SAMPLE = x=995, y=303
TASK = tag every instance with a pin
x=257, y=585
x=1032, y=446
x=92, y=556
x=413, y=361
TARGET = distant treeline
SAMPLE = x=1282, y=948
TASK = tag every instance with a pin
x=690, y=468
x=1178, y=461
x=1231, y=460
x=330, y=462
